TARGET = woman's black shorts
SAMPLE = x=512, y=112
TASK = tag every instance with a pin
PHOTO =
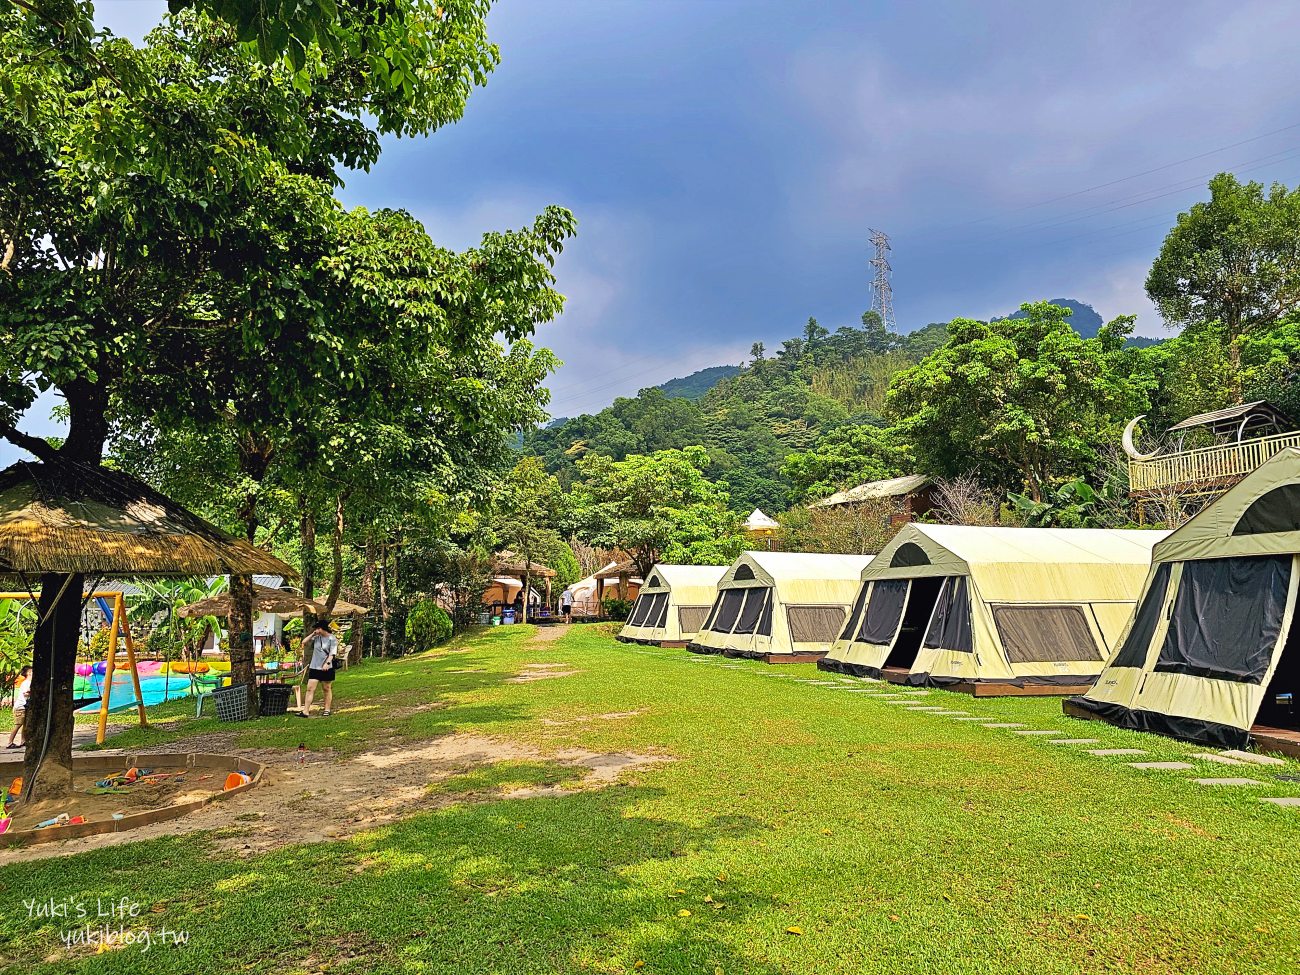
x=325, y=676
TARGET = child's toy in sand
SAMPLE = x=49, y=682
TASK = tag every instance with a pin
x=16, y=788
x=302, y=753
x=62, y=819
x=235, y=779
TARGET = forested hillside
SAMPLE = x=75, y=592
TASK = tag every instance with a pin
x=775, y=406
x=698, y=383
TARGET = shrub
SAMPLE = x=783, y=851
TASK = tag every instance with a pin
x=618, y=609
x=427, y=625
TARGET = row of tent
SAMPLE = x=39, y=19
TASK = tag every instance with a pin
x=1185, y=633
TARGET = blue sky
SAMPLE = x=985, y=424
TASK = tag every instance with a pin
x=725, y=159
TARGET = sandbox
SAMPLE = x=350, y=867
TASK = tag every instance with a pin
x=203, y=780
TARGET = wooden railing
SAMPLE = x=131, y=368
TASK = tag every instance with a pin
x=1206, y=468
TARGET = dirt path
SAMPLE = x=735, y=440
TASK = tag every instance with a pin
x=329, y=798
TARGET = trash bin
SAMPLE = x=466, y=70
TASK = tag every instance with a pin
x=273, y=699
x=232, y=702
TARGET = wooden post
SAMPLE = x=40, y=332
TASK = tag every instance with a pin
x=119, y=613
x=109, y=665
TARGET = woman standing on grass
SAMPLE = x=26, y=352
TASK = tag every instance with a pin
x=323, y=647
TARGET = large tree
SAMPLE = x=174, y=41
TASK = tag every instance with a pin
x=1233, y=260
x=1019, y=401
x=131, y=218
x=657, y=507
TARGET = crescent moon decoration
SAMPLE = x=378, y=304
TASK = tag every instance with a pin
x=1128, y=441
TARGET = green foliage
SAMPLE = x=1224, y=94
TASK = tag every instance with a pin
x=845, y=457
x=427, y=626
x=618, y=609
x=17, y=626
x=1231, y=260
x=752, y=420
x=97, y=648
x=1021, y=402
x=1069, y=505
x=698, y=383
x=657, y=507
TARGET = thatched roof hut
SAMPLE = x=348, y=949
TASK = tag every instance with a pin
x=62, y=517
x=282, y=602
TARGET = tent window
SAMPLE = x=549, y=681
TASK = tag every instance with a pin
x=1226, y=618
x=950, y=627
x=743, y=572
x=814, y=624
x=658, y=614
x=1134, y=651
x=639, y=611
x=729, y=602
x=908, y=554
x=1277, y=510
x=755, y=600
x=884, y=612
x=856, y=612
x=765, y=621
x=653, y=583
x=691, y=618
x=1041, y=634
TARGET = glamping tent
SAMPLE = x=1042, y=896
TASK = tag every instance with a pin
x=1211, y=654
x=780, y=606
x=673, y=604
x=994, y=610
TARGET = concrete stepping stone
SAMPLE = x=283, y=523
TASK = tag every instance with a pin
x=952, y=714
x=1117, y=751
x=1033, y=731
x=1284, y=801
x=930, y=709
x=1254, y=757
x=1227, y=782
x=1074, y=741
x=1221, y=759
x=1004, y=725
x=1170, y=766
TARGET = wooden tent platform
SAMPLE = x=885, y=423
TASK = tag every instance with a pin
x=1284, y=741
x=987, y=688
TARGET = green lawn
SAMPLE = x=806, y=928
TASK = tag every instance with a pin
x=894, y=841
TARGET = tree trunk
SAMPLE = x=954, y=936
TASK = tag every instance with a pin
x=47, y=762
x=307, y=536
x=336, y=549
x=523, y=617
x=241, y=635
x=367, y=598
x=385, y=637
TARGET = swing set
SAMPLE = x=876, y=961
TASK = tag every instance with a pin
x=119, y=627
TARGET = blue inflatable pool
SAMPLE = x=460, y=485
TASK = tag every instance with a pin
x=155, y=689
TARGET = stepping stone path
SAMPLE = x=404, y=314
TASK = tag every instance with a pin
x=1117, y=751
x=1221, y=759
x=1074, y=741
x=1171, y=766
x=950, y=714
x=1287, y=801
x=1254, y=757
x=1227, y=782
x=1004, y=725
x=1031, y=731
x=915, y=708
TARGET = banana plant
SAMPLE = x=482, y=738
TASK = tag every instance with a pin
x=17, y=627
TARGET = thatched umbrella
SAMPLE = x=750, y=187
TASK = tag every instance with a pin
x=282, y=602
x=61, y=521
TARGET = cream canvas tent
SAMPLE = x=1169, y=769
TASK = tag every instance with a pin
x=994, y=610
x=1211, y=654
x=780, y=606
x=673, y=604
